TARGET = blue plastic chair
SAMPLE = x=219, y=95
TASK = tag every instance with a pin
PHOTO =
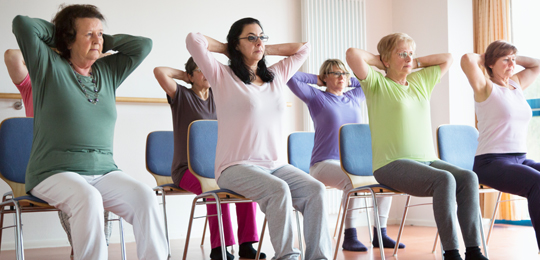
x=457, y=145
x=202, y=142
x=159, y=157
x=356, y=161
x=299, y=148
x=16, y=135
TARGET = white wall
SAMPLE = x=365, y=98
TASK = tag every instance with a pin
x=436, y=26
x=167, y=23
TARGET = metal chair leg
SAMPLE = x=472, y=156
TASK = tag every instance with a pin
x=493, y=217
x=122, y=239
x=368, y=219
x=402, y=224
x=345, y=207
x=189, y=227
x=435, y=243
x=220, y=223
x=164, y=205
x=261, y=239
x=484, y=244
x=204, y=231
x=337, y=220
x=2, y=221
x=300, y=241
x=442, y=251
x=19, y=246
x=377, y=222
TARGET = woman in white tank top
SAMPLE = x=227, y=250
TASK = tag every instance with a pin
x=503, y=117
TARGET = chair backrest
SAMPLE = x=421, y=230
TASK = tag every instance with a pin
x=457, y=144
x=202, y=142
x=299, y=148
x=16, y=135
x=535, y=106
x=159, y=155
x=355, y=149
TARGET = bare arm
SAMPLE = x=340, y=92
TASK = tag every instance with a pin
x=444, y=60
x=527, y=76
x=166, y=76
x=471, y=64
x=15, y=64
x=285, y=49
x=360, y=60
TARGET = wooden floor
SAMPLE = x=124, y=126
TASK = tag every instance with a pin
x=507, y=243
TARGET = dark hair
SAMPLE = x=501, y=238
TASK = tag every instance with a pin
x=190, y=67
x=236, y=58
x=494, y=51
x=66, y=27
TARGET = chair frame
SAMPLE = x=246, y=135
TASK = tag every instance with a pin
x=293, y=161
x=221, y=196
x=17, y=202
x=364, y=186
x=165, y=187
x=482, y=190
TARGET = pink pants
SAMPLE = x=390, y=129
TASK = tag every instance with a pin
x=245, y=214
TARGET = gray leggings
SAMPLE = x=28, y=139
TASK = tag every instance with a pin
x=446, y=184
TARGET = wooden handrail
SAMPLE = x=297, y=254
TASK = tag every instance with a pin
x=118, y=99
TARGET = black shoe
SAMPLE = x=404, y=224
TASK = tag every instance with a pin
x=248, y=252
x=215, y=254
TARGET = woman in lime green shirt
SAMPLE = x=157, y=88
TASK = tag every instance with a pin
x=403, y=155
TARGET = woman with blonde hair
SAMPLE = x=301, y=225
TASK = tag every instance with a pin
x=403, y=155
x=503, y=117
x=330, y=109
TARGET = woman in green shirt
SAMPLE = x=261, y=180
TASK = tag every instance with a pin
x=71, y=164
x=403, y=155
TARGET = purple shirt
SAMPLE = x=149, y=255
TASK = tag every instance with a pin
x=329, y=112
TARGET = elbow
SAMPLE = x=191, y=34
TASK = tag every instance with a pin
x=148, y=44
x=466, y=59
x=157, y=72
x=449, y=58
x=190, y=40
x=350, y=52
x=12, y=56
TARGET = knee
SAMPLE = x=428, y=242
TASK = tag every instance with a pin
x=281, y=188
x=446, y=181
x=87, y=198
x=144, y=195
x=314, y=189
x=469, y=178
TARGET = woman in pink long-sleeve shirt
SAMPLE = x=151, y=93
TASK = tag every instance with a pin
x=249, y=158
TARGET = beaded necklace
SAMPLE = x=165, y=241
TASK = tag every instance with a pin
x=94, y=93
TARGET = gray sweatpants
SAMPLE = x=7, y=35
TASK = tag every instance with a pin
x=277, y=192
x=446, y=184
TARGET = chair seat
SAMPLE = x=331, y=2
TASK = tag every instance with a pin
x=171, y=188
x=30, y=200
x=358, y=181
x=222, y=193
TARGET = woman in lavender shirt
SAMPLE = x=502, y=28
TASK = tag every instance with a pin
x=330, y=110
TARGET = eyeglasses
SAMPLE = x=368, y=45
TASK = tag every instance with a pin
x=198, y=70
x=404, y=54
x=253, y=38
x=336, y=74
